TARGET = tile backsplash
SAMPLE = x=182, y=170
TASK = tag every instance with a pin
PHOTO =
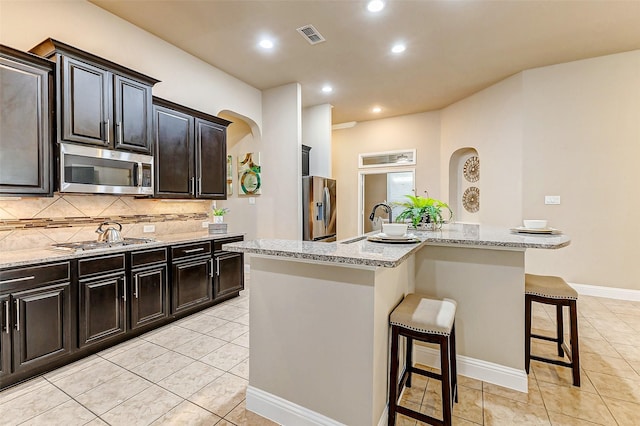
x=39, y=222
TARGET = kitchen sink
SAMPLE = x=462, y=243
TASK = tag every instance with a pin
x=93, y=245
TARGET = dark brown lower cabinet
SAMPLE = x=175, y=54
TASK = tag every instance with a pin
x=149, y=301
x=191, y=285
x=42, y=327
x=5, y=337
x=229, y=278
x=102, y=308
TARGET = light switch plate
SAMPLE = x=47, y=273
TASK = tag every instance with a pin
x=252, y=200
x=552, y=199
x=149, y=228
x=205, y=224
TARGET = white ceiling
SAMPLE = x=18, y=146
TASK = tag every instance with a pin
x=454, y=47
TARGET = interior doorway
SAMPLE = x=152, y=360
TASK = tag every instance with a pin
x=382, y=186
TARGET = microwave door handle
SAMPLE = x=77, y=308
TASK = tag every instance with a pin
x=139, y=166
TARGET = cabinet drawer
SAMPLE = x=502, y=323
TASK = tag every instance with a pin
x=99, y=265
x=148, y=257
x=33, y=275
x=217, y=244
x=193, y=249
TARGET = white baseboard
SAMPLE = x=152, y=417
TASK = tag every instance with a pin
x=384, y=419
x=285, y=412
x=608, y=292
x=500, y=375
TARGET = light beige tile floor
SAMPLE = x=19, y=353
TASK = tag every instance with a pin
x=195, y=372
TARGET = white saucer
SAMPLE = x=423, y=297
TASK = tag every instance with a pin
x=523, y=230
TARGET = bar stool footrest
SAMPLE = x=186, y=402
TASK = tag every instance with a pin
x=551, y=361
x=419, y=416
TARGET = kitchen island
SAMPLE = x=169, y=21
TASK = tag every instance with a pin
x=319, y=339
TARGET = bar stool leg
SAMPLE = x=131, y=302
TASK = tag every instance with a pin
x=560, y=329
x=452, y=362
x=393, y=377
x=446, y=381
x=575, y=353
x=527, y=332
x=409, y=360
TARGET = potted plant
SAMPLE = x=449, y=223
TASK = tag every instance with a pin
x=218, y=214
x=423, y=210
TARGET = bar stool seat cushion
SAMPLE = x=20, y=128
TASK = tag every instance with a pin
x=548, y=286
x=424, y=315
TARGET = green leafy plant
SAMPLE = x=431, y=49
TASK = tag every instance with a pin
x=219, y=212
x=423, y=210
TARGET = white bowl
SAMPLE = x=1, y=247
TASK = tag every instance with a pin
x=534, y=223
x=394, y=229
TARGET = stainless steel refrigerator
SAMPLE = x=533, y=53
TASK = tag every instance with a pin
x=318, y=209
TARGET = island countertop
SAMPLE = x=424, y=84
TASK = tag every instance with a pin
x=360, y=251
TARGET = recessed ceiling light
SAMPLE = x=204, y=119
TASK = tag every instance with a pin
x=266, y=43
x=375, y=6
x=398, y=48
x=327, y=89
x=376, y=109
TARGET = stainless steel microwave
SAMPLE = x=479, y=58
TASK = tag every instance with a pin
x=95, y=170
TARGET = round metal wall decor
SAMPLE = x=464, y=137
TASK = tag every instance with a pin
x=472, y=169
x=471, y=199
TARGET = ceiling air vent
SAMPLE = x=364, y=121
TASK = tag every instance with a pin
x=311, y=34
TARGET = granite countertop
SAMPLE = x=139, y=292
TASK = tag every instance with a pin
x=359, y=251
x=36, y=256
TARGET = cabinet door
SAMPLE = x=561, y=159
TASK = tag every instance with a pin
x=149, y=290
x=229, y=277
x=25, y=129
x=211, y=160
x=191, y=285
x=42, y=328
x=173, y=153
x=102, y=307
x=86, y=103
x=5, y=336
x=133, y=118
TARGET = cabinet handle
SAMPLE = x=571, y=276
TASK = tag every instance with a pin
x=6, y=315
x=217, y=266
x=120, y=134
x=107, y=128
x=194, y=250
x=211, y=265
x=193, y=186
x=124, y=293
x=17, y=315
x=199, y=186
x=15, y=280
x=135, y=290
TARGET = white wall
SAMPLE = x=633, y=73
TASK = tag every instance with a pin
x=490, y=122
x=316, y=133
x=582, y=142
x=184, y=78
x=279, y=210
x=419, y=131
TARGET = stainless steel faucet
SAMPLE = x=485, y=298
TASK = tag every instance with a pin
x=386, y=207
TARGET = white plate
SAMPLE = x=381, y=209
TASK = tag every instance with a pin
x=384, y=236
x=523, y=230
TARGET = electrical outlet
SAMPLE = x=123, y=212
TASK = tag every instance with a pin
x=552, y=199
x=205, y=224
x=252, y=200
x=149, y=228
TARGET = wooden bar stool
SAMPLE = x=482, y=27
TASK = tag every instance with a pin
x=427, y=320
x=553, y=291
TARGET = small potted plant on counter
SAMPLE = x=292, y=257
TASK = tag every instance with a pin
x=424, y=212
x=217, y=214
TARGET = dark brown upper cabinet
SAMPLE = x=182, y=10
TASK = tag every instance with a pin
x=26, y=108
x=100, y=102
x=190, y=152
